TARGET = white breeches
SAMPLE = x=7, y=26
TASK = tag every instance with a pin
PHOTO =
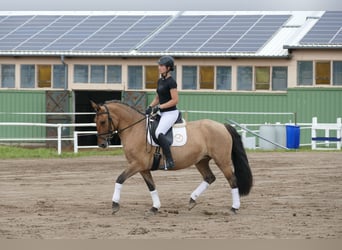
x=167, y=119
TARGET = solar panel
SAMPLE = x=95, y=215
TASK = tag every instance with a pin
x=171, y=33
x=155, y=33
x=71, y=31
x=327, y=30
x=200, y=33
x=136, y=33
x=230, y=33
x=259, y=33
x=8, y=26
x=51, y=30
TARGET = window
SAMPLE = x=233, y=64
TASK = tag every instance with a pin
x=244, y=78
x=97, y=73
x=223, y=78
x=81, y=73
x=7, y=76
x=262, y=78
x=27, y=76
x=114, y=74
x=206, y=77
x=189, y=80
x=322, y=72
x=44, y=76
x=151, y=77
x=59, y=76
x=279, y=78
x=135, y=77
x=304, y=72
x=337, y=73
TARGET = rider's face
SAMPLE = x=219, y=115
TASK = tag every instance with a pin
x=162, y=69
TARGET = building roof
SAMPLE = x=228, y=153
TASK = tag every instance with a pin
x=323, y=33
x=155, y=33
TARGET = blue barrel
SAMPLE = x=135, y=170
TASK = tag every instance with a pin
x=292, y=136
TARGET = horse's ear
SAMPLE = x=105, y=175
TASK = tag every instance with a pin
x=94, y=105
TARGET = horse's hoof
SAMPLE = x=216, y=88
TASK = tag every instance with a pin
x=192, y=203
x=115, y=207
x=153, y=211
x=234, y=210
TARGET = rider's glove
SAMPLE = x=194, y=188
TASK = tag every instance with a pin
x=155, y=109
x=148, y=110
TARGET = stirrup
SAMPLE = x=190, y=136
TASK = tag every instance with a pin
x=167, y=165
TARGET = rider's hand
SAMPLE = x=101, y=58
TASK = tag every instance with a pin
x=155, y=109
x=148, y=110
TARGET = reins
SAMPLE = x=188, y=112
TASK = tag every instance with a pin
x=111, y=124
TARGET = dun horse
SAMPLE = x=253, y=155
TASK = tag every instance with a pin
x=207, y=140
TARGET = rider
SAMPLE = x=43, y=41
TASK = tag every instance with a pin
x=165, y=101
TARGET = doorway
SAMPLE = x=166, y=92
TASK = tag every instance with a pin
x=82, y=105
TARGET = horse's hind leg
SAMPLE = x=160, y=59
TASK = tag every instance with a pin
x=152, y=188
x=208, y=178
x=227, y=171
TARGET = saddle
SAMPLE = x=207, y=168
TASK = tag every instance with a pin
x=176, y=135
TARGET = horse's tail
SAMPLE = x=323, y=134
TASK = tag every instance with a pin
x=242, y=170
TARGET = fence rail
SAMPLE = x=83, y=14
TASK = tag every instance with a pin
x=58, y=126
x=74, y=136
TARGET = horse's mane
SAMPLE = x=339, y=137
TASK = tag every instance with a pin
x=123, y=103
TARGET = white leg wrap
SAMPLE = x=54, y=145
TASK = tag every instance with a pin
x=117, y=191
x=236, y=198
x=155, y=199
x=199, y=190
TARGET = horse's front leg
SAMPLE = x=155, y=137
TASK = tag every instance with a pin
x=118, y=186
x=154, y=194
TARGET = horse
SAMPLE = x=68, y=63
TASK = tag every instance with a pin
x=206, y=140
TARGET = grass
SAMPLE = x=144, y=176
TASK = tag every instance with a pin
x=16, y=152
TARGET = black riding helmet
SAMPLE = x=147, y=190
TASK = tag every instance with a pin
x=167, y=61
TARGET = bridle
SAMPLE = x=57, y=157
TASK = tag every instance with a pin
x=111, y=127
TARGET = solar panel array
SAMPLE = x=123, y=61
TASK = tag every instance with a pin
x=145, y=33
x=245, y=33
x=327, y=30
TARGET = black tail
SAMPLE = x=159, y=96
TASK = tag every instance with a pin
x=242, y=170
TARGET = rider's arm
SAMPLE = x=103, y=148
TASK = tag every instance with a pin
x=174, y=100
x=155, y=101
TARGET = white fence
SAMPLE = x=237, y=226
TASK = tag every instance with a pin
x=59, y=138
x=327, y=139
x=59, y=127
x=75, y=139
x=76, y=134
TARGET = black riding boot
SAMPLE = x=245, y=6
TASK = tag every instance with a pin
x=166, y=151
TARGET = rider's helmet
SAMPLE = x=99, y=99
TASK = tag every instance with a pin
x=167, y=61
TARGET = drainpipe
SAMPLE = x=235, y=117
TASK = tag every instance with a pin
x=65, y=72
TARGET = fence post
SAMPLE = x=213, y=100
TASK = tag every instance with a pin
x=313, y=132
x=339, y=131
x=75, y=142
x=59, y=138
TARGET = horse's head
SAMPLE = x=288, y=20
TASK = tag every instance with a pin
x=104, y=124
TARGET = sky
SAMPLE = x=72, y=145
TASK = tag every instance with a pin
x=169, y=5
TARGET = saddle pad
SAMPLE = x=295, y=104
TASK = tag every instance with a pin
x=179, y=136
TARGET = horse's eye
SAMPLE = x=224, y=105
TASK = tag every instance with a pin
x=102, y=122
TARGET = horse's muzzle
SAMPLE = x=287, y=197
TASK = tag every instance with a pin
x=104, y=144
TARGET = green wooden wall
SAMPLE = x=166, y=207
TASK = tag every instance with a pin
x=325, y=103
x=12, y=101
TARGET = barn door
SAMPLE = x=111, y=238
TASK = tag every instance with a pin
x=135, y=99
x=58, y=102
